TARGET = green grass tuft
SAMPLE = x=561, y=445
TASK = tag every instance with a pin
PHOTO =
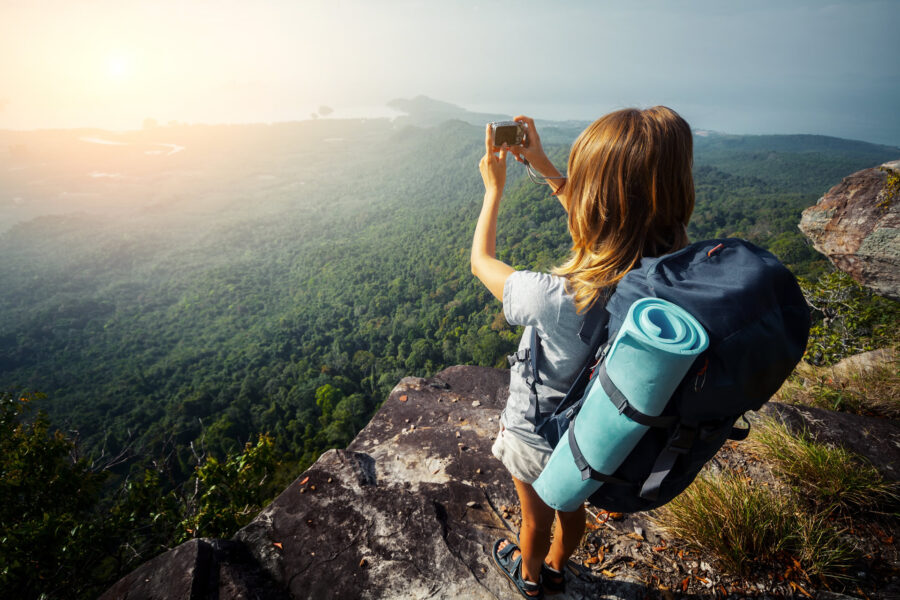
x=871, y=391
x=830, y=477
x=748, y=526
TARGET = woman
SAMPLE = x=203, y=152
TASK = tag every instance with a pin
x=629, y=194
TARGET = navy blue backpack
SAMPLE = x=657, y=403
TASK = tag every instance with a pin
x=758, y=323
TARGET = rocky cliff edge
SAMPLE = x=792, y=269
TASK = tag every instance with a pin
x=412, y=507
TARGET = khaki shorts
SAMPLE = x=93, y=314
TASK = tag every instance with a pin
x=522, y=460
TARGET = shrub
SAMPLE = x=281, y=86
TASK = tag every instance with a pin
x=851, y=319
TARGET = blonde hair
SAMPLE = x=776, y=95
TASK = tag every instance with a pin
x=630, y=194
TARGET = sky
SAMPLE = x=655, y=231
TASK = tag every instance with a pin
x=764, y=66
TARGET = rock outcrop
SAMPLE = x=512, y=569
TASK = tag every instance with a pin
x=409, y=510
x=857, y=226
x=412, y=507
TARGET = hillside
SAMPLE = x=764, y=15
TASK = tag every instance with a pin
x=230, y=286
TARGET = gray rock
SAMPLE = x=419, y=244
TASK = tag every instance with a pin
x=414, y=513
x=398, y=514
x=858, y=229
x=863, y=362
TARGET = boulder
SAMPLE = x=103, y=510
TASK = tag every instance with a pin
x=413, y=506
x=411, y=509
x=857, y=226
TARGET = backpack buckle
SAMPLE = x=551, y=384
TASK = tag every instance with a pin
x=520, y=356
x=683, y=438
x=700, y=378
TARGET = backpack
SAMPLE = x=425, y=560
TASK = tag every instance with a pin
x=757, y=321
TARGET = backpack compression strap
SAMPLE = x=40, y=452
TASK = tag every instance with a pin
x=625, y=407
x=587, y=471
x=680, y=442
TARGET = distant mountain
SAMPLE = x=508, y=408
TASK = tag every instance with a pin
x=423, y=111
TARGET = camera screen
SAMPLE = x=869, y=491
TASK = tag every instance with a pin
x=506, y=134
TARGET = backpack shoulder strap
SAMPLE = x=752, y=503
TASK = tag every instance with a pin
x=593, y=333
x=533, y=378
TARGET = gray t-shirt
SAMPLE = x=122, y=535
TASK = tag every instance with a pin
x=541, y=300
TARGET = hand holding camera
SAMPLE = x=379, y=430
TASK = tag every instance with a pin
x=520, y=137
x=492, y=166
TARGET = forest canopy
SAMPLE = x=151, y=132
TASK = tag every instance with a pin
x=251, y=298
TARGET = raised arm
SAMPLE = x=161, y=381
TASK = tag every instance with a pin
x=532, y=151
x=485, y=266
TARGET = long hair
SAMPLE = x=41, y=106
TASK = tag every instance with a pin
x=630, y=194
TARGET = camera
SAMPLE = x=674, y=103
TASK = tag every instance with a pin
x=511, y=133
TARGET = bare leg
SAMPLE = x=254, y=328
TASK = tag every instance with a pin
x=534, y=534
x=569, y=530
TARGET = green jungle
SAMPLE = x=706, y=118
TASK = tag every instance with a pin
x=191, y=315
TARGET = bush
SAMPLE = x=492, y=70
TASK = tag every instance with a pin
x=61, y=537
x=851, y=319
x=48, y=540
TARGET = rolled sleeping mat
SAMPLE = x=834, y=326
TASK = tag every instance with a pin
x=649, y=357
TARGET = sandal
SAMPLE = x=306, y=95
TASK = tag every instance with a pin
x=554, y=581
x=513, y=570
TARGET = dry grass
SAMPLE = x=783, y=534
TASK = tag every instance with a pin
x=866, y=390
x=749, y=527
x=831, y=478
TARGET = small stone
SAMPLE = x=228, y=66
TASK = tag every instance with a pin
x=362, y=563
x=330, y=480
x=458, y=434
x=506, y=515
x=476, y=404
x=478, y=471
x=403, y=398
x=411, y=427
x=302, y=490
x=453, y=400
x=312, y=487
x=406, y=420
x=639, y=530
x=471, y=504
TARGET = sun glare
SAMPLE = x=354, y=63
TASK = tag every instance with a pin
x=117, y=66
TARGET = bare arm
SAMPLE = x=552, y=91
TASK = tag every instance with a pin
x=532, y=151
x=485, y=266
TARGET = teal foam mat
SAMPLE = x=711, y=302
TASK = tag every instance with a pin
x=650, y=355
